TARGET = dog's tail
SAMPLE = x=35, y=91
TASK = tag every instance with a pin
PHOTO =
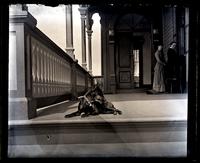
x=77, y=113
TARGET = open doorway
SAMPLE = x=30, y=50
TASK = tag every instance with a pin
x=133, y=51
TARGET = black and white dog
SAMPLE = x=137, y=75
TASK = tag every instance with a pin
x=94, y=103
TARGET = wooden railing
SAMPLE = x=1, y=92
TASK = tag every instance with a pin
x=51, y=73
x=45, y=73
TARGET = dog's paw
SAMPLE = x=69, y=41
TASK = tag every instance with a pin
x=84, y=115
x=66, y=116
x=119, y=112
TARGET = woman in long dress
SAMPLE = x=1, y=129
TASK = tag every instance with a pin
x=159, y=82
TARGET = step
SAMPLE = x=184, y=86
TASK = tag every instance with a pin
x=152, y=149
x=109, y=138
x=82, y=132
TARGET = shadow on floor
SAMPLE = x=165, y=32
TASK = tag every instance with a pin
x=61, y=108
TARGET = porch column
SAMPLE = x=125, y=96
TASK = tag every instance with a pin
x=89, y=34
x=82, y=10
x=69, y=31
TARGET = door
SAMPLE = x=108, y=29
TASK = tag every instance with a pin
x=123, y=60
x=128, y=61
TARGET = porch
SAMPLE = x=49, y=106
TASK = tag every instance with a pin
x=157, y=122
x=42, y=81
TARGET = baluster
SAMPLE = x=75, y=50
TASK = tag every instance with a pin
x=62, y=72
x=53, y=74
x=41, y=72
x=50, y=75
x=33, y=65
x=58, y=70
x=64, y=75
x=45, y=72
x=38, y=69
x=58, y=87
x=50, y=91
x=60, y=78
x=58, y=67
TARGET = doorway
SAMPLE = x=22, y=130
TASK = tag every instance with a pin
x=129, y=61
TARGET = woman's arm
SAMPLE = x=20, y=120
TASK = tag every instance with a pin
x=158, y=58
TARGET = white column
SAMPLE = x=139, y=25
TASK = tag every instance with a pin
x=89, y=32
x=82, y=10
x=69, y=31
x=89, y=23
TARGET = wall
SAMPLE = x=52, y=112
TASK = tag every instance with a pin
x=147, y=52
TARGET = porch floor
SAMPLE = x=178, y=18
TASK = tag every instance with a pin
x=160, y=141
x=135, y=107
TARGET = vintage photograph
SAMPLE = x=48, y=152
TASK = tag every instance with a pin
x=107, y=80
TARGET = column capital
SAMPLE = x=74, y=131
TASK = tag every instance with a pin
x=83, y=11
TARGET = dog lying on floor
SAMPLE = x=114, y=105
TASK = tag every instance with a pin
x=94, y=103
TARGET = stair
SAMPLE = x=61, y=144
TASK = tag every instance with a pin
x=100, y=138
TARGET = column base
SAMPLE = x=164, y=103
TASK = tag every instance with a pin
x=84, y=65
x=90, y=72
x=70, y=52
x=21, y=109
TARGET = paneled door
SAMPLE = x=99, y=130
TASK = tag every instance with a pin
x=123, y=60
x=128, y=61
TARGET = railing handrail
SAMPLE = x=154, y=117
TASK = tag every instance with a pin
x=52, y=45
x=43, y=37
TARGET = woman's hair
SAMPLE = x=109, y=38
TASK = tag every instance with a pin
x=172, y=43
x=159, y=45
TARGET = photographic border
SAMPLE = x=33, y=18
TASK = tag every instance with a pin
x=193, y=130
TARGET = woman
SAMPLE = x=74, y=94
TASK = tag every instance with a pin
x=158, y=81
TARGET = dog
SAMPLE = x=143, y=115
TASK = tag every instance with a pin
x=94, y=103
